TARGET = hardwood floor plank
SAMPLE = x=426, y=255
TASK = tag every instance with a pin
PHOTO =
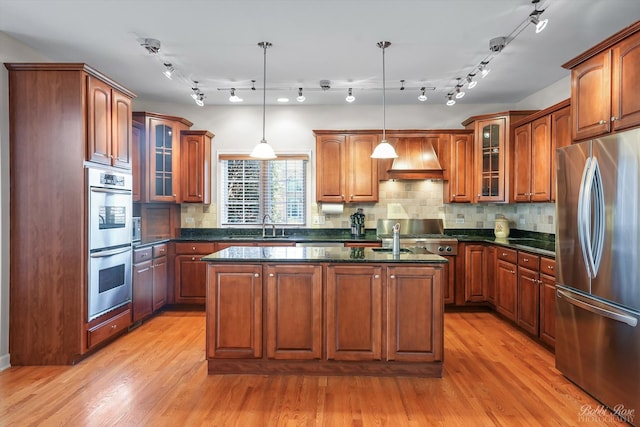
x=494, y=375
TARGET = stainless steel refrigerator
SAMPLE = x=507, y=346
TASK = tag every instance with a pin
x=598, y=269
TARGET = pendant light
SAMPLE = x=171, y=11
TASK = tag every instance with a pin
x=384, y=150
x=263, y=150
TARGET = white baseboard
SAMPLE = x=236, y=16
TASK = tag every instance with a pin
x=4, y=362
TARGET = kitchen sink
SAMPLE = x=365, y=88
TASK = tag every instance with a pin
x=389, y=250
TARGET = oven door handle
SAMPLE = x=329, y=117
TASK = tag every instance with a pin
x=110, y=252
x=110, y=191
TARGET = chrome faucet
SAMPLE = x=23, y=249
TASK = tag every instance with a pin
x=264, y=223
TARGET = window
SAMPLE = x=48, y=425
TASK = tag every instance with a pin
x=252, y=188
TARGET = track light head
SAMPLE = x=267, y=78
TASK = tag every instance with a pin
x=301, y=97
x=350, y=97
x=422, y=97
x=450, y=100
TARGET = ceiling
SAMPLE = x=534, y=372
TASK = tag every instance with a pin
x=215, y=43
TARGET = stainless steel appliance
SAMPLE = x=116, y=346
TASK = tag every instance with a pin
x=598, y=269
x=110, y=236
x=418, y=235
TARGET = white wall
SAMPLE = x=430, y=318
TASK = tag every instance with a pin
x=10, y=51
x=240, y=128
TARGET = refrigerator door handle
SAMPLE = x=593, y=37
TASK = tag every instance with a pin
x=608, y=313
x=591, y=212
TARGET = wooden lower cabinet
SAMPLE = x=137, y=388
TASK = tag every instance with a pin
x=234, y=308
x=528, y=300
x=190, y=272
x=475, y=289
x=506, y=288
x=294, y=311
x=490, y=261
x=354, y=313
x=149, y=285
x=416, y=328
x=449, y=280
x=548, y=301
x=325, y=318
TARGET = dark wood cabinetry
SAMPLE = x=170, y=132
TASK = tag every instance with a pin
x=345, y=171
x=506, y=283
x=108, y=124
x=547, y=301
x=535, y=141
x=294, y=311
x=49, y=144
x=354, y=331
x=160, y=162
x=604, y=88
x=528, y=292
x=150, y=275
x=234, y=306
x=190, y=272
x=321, y=318
x=416, y=329
x=475, y=289
x=459, y=186
x=195, y=151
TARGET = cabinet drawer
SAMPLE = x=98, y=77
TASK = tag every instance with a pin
x=548, y=266
x=106, y=329
x=195, y=248
x=159, y=250
x=505, y=254
x=140, y=255
x=529, y=261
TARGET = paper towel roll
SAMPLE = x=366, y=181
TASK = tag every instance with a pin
x=332, y=208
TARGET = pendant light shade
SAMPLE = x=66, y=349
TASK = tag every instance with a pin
x=384, y=150
x=263, y=150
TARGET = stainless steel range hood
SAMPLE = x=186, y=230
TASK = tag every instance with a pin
x=417, y=159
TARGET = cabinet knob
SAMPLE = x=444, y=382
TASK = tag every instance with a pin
x=534, y=280
x=525, y=259
x=199, y=195
x=602, y=122
x=114, y=326
x=513, y=272
x=614, y=118
x=550, y=267
x=270, y=274
x=256, y=275
x=193, y=258
x=377, y=276
x=393, y=276
x=193, y=248
x=539, y=282
x=504, y=254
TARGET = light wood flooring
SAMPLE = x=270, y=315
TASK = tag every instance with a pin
x=157, y=376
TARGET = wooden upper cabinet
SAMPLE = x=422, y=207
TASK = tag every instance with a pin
x=108, y=125
x=604, y=85
x=522, y=163
x=460, y=183
x=534, y=144
x=160, y=171
x=345, y=171
x=195, y=153
x=137, y=160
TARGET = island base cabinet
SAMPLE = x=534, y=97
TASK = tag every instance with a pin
x=354, y=313
x=234, y=311
x=294, y=311
x=416, y=305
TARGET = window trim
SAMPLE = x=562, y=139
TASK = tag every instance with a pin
x=244, y=155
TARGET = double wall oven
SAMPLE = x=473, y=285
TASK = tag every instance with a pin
x=109, y=222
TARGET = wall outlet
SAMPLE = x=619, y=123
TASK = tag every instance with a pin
x=189, y=220
x=522, y=221
x=459, y=220
x=318, y=219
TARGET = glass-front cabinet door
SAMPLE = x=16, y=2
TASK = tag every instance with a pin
x=490, y=162
x=163, y=156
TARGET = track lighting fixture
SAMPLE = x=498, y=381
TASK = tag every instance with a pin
x=301, y=97
x=263, y=150
x=422, y=97
x=450, y=100
x=350, y=97
x=168, y=71
x=459, y=92
x=470, y=82
x=483, y=69
x=152, y=45
x=401, y=84
x=234, y=97
x=534, y=17
x=384, y=150
x=200, y=100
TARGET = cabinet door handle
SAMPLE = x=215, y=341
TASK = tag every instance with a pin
x=534, y=280
x=270, y=274
x=193, y=248
x=393, y=276
x=504, y=254
x=550, y=267
x=602, y=122
x=193, y=258
x=525, y=259
x=539, y=282
x=256, y=275
x=377, y=276
x=513, y=272
x=199, y=195
x=114, y=326
x=614, y=118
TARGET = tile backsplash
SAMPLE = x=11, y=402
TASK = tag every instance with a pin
x=409, y=199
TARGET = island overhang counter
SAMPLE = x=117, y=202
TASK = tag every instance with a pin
x=324, y=311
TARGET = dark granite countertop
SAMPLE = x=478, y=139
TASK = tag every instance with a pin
x=318, y=254
x=149, y=242
x=536, y=243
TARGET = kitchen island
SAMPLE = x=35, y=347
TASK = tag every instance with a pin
x=324, y=310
